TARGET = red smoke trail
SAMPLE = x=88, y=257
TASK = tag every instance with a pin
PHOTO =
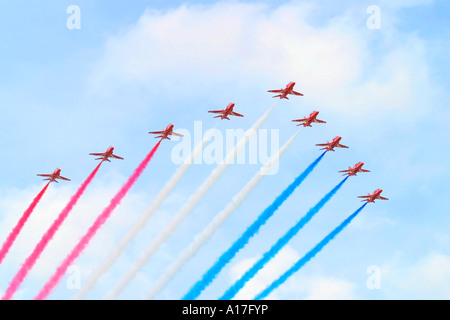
x=15, y=232
x=32, y=258
x=101, y=219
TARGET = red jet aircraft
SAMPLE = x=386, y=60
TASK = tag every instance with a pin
x=284, y=92
x=372, y=197
x=353, y=171
x=306, y=122
x=166, y=133
x=53, y=176
x=329, y=146
x=105, y=155
x=228, y=111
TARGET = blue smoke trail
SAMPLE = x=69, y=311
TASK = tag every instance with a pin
x=233, y=290
x=209, y=276
x=311, y=254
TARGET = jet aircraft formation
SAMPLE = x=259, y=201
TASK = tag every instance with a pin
x=222, y=114
x=225, y=114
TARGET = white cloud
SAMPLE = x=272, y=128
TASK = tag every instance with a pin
x=195, y=48
x=264, y=277
x=297, y=287
x=89, y=206
x=322, y=288
x=428, y=278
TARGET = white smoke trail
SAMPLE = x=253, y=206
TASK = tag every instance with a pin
x=187, y=208
x=217, y=221
x=140, y=223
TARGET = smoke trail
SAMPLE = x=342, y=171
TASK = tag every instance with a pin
x=217, y=221
x=188, y=207
x=311, y=254
x=209, y=276
x=16, y=230
x=101, y=219
x=34, y=256
x=233, y=290
x=140, y=223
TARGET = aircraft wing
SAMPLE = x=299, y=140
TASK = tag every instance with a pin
x=97, y=154
x=348, y=170
x=177, y=134
x=216, y=111
x=364, y=196
x=60, y=177
x=323, y=144
x=382, y=198
x=319, y=121
x=364, y=170
x=276, y=91
x=116, y=157
x=341, y=146
x=236, y=114
x=300, y=120
x=44, y=175
x=297, y=93
x=157, y=132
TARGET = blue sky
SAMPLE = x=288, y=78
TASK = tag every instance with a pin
x=134, y=68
